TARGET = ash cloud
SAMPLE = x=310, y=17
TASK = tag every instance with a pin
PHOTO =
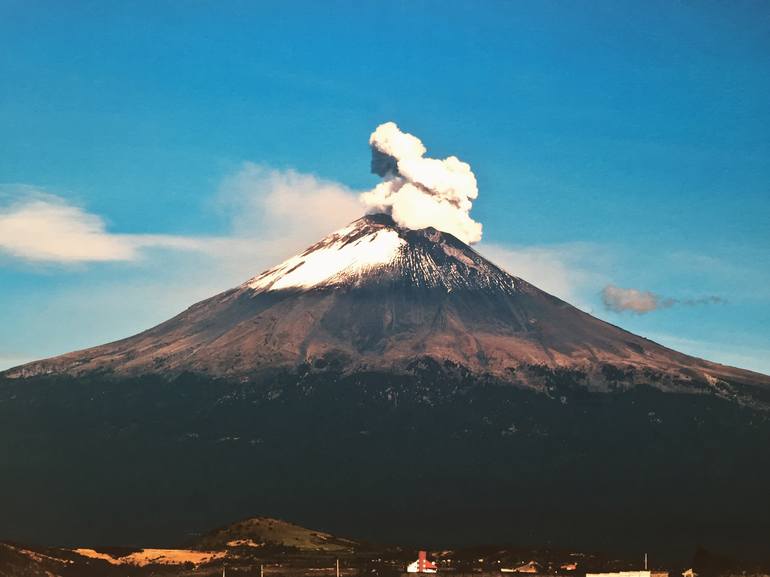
x=640, y=302
x=418, y=191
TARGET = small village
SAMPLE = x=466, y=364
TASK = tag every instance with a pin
x=498, y=563
x=532, y=568
x=243, y=558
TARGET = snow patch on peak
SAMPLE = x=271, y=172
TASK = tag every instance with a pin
x=337, y=260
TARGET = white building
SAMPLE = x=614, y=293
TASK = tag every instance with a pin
x=422, y=565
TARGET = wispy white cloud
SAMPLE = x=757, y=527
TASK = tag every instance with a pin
x=42, y=227
x=269, y=210
x=285, y=206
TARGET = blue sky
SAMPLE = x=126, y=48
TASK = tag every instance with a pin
x=614, y=143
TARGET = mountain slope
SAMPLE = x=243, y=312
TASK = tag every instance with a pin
x=373, y=296
x=427, y=458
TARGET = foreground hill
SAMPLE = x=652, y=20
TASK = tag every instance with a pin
x=268, y=533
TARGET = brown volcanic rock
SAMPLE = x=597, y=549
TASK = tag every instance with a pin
x=376, y=297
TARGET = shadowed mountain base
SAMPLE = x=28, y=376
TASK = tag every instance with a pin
x=430, y=457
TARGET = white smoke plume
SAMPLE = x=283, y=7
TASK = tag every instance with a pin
x=619, y=299
x=419, y=192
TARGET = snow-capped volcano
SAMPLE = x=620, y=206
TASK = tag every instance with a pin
x=373, y=250
x=342, y=258
x=375, y=296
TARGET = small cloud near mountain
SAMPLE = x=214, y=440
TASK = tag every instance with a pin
x=618, y=299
